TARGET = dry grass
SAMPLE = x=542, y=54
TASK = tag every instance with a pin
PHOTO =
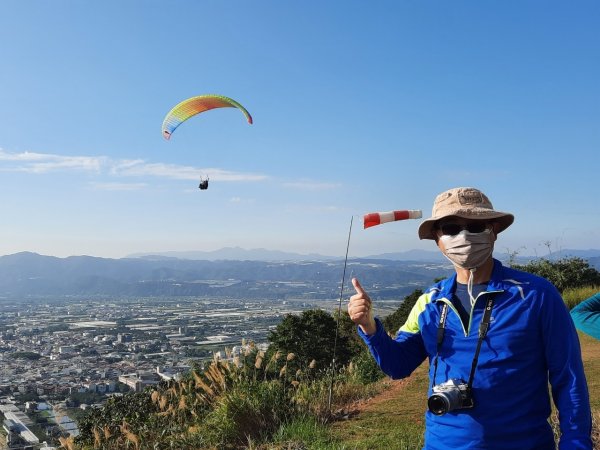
x=574, y=296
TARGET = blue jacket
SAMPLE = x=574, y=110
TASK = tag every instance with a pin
x=531, y=342
x=586, y=316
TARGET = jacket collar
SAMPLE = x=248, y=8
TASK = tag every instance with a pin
x=445, y=288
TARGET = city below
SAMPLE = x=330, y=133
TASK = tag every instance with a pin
x=59, y=357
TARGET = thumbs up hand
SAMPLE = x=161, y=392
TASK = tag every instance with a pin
x=360, y=310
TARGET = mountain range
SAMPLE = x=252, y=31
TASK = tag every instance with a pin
x=261, y=254
x=231, y=272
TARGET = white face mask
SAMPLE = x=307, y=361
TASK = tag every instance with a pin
x=468, y=250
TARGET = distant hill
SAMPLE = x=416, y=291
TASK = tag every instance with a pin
x=236, y=254
x=261, y=254
x=390, y=275
x=32, y=275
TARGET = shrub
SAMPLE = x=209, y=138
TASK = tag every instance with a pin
x=563, y=273
x=251, y=410
x=365, y=368
x=310, y=336
x=133, y=408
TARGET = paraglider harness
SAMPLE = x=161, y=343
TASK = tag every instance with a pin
x=203, y=184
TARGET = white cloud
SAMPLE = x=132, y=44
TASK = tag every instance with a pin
x=240, y=200
x=140, y=168
x=311, y=185
x=42, y=162
x=25, y=156
x=118, y=186
x=36, y=163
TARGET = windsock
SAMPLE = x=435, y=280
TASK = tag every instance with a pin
x=373, y=219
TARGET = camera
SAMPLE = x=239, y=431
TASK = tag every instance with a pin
x=450, y=395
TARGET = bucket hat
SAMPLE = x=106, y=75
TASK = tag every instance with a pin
x=466, y=203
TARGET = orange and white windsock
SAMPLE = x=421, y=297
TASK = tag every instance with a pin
x=372, y=219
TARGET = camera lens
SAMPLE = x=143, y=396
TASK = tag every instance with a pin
x=438, y=404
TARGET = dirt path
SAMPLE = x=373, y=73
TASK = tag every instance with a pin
x=391, y=419
x=392, y=392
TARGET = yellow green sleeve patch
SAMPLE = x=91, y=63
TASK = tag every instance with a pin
x=412, y=322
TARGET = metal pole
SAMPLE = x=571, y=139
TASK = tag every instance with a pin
x=337, y=325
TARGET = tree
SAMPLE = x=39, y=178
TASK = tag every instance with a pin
x=32, y=356
x=311, y=335
x=564, y=273
x=395, y=320
x=136, y=409
x=347, y=333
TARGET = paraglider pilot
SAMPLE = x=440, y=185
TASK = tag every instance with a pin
x=203, y=184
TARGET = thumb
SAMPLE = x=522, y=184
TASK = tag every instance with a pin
x=357, y=287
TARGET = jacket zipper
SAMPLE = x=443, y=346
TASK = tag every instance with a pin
x=451, y=306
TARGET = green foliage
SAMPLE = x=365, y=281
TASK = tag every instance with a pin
x=365, y=368
x=57, y=327
x=251, y=408
x=32, y=356
x=394, y=321
x=227, y=406
x=133, y=408
x=348, y=335
x=29, y=397
x=310, y=336
x=88, y=398
x=564, y=273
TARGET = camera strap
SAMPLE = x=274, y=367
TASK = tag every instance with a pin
x=484, y=326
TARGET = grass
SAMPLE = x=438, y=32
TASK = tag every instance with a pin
x=297, y=433
x=574, y=296
x=590, y=349
x=394, y=421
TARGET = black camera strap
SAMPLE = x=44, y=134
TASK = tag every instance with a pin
x=484, y=326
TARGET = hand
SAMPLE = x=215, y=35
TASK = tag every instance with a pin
x=360, y=310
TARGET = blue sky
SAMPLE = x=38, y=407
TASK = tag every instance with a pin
x=358, y=107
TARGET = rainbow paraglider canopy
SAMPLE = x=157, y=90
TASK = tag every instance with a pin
x=195, y=105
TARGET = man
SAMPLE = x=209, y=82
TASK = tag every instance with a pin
x=494, y=336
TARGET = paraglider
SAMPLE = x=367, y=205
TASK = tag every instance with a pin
x=195, y=105
x=203, y=184
x=378, y=218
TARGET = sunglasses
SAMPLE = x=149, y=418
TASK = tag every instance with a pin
x=452, y=229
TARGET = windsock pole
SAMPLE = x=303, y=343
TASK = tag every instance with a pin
x=337, y=323
x=369, y=220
